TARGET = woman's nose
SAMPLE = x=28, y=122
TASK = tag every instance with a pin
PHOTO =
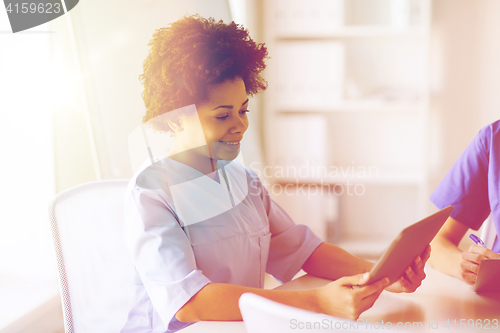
x=239, y=125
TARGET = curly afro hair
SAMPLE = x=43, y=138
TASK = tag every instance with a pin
x=191, y=54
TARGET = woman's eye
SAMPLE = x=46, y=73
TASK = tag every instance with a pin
x=242, y=112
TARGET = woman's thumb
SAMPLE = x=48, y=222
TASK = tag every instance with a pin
x=357, y=280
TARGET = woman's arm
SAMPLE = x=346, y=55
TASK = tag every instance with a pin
x=331, y=262
x=219, y=301
x=449, y=259
x=446, y=256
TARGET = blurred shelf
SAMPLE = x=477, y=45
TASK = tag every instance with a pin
x=358, y=106
x=368, y=247
x=382, y=178
x=353, y=31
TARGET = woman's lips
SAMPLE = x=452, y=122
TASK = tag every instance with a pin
x=231, y=144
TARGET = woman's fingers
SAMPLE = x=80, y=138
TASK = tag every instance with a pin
x=374, y=288
x=468, y=277
x=341, y=299
x=418, y=266
x=470, y=262
x=369, y=294
x=412, y=276
x=484, y=252
x=355, y=280
x=469, y=266
x=364, y=290
x=426, y=254
x=369, y=300
x=468, y=271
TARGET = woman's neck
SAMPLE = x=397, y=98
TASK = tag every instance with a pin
x=197, y=158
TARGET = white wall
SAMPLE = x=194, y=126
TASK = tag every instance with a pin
x=28, y=92
x=466, y=77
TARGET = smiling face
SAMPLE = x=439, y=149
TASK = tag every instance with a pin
x=223, y=118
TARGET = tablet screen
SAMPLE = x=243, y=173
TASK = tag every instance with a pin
x=410, y=243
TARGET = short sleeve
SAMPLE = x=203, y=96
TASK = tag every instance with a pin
x=465, y=186
x=291, y=244
x=161, y=252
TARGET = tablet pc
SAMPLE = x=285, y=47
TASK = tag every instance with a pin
x=488, y=276
x=410, y=243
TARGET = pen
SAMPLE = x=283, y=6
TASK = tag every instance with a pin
x=477, y=240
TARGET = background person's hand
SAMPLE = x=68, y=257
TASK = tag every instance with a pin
x=413, y=275
x=469, y=266
x=340, y=299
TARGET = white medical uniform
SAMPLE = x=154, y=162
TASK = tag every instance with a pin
x=185, y=230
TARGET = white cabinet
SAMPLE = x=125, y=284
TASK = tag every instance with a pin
x=298, y=16
x=308, y=74
x=347, y=104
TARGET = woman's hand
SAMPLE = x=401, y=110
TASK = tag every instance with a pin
x=413, y=274
x=469, y=266
x=340, y=298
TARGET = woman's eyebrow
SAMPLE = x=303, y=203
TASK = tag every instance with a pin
x=229, y=106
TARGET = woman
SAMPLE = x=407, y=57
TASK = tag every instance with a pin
x=472, y=187
x=201, y=227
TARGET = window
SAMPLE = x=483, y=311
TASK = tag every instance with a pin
x=27, y=90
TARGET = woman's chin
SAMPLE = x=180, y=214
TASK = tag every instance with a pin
x=226, y=154
x=224, y=151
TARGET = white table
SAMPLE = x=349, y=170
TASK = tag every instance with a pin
x=439, y=301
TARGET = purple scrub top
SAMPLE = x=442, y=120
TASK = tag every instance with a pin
x=472, y=185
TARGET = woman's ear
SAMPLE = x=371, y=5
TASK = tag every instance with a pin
x=175, y=124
